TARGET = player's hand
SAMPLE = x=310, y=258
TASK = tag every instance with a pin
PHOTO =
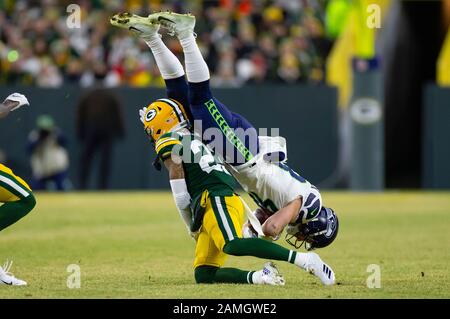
x=142, y=115
x=18, y=99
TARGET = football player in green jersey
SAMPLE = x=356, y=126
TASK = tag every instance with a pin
x=204, y=194
x=15, y=195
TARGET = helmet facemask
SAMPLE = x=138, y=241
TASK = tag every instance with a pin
x=317, y=233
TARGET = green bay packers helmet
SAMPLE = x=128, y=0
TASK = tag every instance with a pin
x=162, y=116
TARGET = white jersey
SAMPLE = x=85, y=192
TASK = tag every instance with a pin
x=274, y=185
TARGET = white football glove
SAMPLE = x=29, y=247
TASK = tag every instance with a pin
x=17, y=97
x=142, y=115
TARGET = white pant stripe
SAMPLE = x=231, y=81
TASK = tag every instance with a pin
x=14, y=185
x=224, y=219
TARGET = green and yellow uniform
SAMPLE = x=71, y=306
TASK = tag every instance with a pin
x=216, y=209
x=12, y=187
x=217, y=213
x=16, y=196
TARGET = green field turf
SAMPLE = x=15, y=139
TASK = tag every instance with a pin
x=134, y=245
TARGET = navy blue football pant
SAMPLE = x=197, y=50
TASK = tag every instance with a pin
x=198, y=101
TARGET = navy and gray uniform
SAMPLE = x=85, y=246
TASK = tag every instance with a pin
x=272, y=184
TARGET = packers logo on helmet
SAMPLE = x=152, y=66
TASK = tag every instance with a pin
x=150, y=115
x=162, y=116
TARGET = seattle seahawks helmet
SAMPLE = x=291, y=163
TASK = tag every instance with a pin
x=317, y=233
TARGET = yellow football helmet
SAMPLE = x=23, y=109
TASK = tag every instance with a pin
x=162, y=116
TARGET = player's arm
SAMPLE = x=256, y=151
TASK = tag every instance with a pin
x=6, y=107
x=11, y=103
x=166, y=149
x=180, y=192
x=179, y=188
x=275, y=224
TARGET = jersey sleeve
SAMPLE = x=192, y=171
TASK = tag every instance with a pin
x=165, y=145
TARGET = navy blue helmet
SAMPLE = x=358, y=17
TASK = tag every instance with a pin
x=317, y=233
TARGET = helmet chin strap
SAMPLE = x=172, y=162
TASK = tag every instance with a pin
x=294, y=241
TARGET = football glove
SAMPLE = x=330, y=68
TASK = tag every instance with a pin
x=17, y=97
x=142, y=114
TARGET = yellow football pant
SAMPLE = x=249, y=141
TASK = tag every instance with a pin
x=12, y=187
x=222, y=222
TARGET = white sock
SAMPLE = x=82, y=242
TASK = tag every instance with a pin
x=257, y=277
x=168, y=64
x=301, y=260
x=196, y=68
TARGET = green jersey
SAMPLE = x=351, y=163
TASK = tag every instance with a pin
x=202, y=170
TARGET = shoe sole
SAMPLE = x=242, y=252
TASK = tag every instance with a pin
x=122, y=20
x=162, y=17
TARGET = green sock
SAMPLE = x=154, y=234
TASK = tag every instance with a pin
x=11, y=212
x=259, y=248
x=211, y=274
x=234, y=276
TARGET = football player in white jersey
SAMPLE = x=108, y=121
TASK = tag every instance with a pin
x=257, y=162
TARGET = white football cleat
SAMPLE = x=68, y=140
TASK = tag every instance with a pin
x=176, y=23
x=141, y=26
x=7, y=278
x=17, y=97
x=318, y=268
x=271, y=275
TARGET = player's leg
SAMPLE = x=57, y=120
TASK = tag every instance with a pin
x=17, y=197
x=169, y=66
x=18, y=201
x=229, y=213
x=197, y=70
x=204, y=106
x=209, y=259
x=269, y=275
x=208, y=263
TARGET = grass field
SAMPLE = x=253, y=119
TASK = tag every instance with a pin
x=133, y=245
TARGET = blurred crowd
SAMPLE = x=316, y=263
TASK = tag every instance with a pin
x=244, y=41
